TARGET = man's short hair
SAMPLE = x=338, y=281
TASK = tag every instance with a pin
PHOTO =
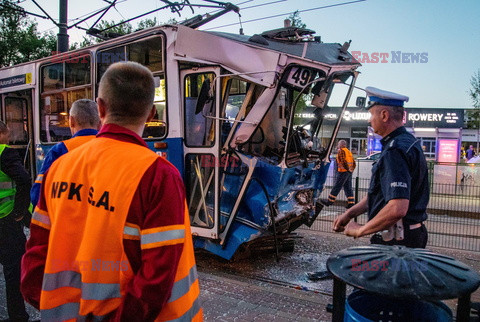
x=342, y=143
x=396, y=112
x=85, y=113
x=4, y=128
x=128, y=90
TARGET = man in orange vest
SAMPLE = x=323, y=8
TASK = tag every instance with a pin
x=84, y=124
x=110, y=236
x=343, y=178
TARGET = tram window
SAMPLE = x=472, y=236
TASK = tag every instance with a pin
x=75, y=95
x=238, y=87
x=156, y=128
x=52, y=77
x=199, y=128
x=77, y=71
x=16, y=120
x=54, y=110
x=57, y=96
x=107, y=57
x=147, y=53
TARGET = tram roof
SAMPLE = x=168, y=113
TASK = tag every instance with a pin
x=328, y=53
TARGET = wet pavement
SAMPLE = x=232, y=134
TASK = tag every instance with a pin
x=259, y=288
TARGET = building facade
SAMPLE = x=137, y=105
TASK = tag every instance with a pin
x=440, y=130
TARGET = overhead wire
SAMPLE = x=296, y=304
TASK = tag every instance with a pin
x=226, y=25
x=263, y=4
x=95, y=11
x=287, y=13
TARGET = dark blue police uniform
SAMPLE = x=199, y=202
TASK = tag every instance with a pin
x=401, y=173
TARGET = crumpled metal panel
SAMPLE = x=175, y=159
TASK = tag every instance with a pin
x=192, y=44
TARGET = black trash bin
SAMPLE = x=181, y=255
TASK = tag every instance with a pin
x=399, y=284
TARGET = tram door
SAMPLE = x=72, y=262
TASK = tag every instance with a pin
x=201, y=148
x=17, y=114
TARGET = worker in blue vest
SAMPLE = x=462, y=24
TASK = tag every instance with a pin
x=14, y=213
x=84, y=123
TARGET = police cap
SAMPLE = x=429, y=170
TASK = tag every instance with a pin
x=381, y=97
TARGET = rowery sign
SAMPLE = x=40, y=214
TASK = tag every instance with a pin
x=414, y=117
x=425, y=117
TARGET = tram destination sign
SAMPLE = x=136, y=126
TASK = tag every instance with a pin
x=16, y=80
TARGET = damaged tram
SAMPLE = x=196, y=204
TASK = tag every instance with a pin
x=229, y=117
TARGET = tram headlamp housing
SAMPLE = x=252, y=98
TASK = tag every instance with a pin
x=304, y=197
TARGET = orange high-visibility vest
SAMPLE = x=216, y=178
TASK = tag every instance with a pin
x=76, y=141
x=350, y=162
x=70, y=144
x=88, y=196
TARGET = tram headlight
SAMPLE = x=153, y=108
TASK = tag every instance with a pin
x=304, y=197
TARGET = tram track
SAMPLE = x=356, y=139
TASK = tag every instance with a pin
x=235, y=275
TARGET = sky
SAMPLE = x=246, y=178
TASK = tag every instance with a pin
x=443, y=34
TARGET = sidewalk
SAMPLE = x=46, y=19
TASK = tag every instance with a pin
x=242, y=299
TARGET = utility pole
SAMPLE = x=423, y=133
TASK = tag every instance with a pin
x=62, y=36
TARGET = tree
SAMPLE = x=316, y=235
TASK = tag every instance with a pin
x=475, y=90
x=116, y=31
x=473, y=119
x=296, y=21
x=19, y=38
x=120, y=30
x=147, y=23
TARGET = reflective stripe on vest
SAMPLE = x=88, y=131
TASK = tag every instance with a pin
x=7, y=190
x=181, y=287
x=62, y=312
x=97, y=202
x=6, y=185
x=190, y=314
x=183, y=304
x=131, y=231
x=39, y=178
x=40, y=218
x=90, y=291
x=157, y=237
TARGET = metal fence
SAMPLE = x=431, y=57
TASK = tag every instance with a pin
x=453, y=218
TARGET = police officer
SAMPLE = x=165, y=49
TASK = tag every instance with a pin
x=399, y=191
x=84, y=123
x=14, y=204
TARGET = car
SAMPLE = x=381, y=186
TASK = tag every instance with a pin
x=372, y=157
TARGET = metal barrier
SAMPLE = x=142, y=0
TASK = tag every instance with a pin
x=453, y=219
